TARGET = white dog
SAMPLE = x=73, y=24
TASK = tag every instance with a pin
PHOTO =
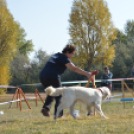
x=70, y=95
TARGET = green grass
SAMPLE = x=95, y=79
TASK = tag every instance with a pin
x=121, y=121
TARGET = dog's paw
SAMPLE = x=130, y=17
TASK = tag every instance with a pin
x=75, y=117
x=105, y=117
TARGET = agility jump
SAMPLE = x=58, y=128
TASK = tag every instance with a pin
x=18, y=100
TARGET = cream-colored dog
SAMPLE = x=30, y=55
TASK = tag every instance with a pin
x=70, y=95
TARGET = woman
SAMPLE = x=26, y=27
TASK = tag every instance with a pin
x=51, y=75
x=105, y=76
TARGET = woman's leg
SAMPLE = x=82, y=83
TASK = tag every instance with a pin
x=49, y=99
x=48, y=102
x=110, y=87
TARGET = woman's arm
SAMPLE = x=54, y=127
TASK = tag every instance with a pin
x=78, y=70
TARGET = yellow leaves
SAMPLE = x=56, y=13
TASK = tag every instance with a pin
x=91, y=28
x=8, y=34
x=4, y=76
x=7, y=31
x=108, y=55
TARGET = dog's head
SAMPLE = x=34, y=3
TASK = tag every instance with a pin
x=106, y=92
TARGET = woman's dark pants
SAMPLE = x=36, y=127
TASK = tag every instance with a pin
x=49, y=99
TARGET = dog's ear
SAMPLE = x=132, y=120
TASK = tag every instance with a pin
x=108, y=93
x=108, y=97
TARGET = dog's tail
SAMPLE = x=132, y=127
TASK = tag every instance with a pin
x=53, y=91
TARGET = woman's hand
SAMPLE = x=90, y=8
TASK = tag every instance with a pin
x=90, y=76
x=105, y=72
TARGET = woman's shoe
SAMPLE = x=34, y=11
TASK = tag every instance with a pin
x=45, y=112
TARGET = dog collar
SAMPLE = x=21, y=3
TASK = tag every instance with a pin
x=100, y=90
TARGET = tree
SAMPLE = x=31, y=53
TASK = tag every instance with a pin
x=37, y=64
x=18, y=71
x=122, y=62
x=93, y=33
x=124, y=55
x=129, y=30
x=41, y=57
x=121, y=37
x=24, y=46
x=11, y=41
x=25, y=71
x=8, y=47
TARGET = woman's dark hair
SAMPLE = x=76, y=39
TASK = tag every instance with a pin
x=106, y=68
x=69, y=48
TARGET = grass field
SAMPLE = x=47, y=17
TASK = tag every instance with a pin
x=121, y=121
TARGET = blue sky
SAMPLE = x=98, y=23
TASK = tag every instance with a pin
x=46, y=21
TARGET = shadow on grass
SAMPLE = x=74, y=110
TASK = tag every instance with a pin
x=65, y=119
x=48, y=122
x=11, y=121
